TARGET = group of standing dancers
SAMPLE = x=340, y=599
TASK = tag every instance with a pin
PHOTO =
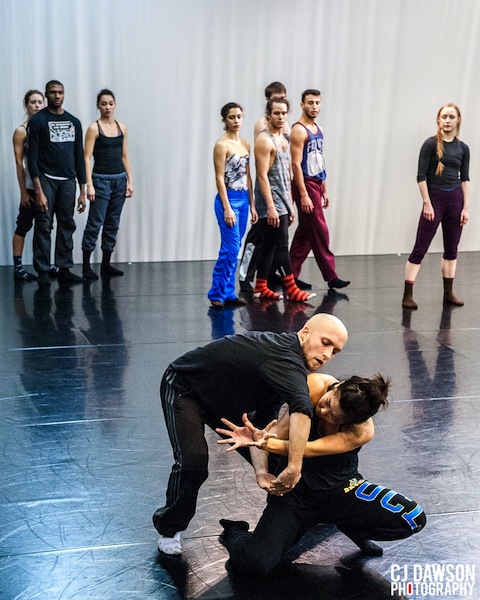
x=50, y=159
x=290, y=165
x=278, y=155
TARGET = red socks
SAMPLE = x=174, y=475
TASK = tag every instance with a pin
x=293, y=292
x=263, y=291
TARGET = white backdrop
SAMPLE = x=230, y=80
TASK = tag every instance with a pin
x=384, y=68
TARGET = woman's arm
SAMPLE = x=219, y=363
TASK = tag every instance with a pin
x=90, y=138
x=219, y=160
x=464, y=176
x=274, y=438
x=466, y=202
x=336, y=443
x=19, y=136
x=126, y=162
x=426, y=152
x=427, y=209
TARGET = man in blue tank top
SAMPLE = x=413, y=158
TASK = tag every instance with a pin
x=309, y=192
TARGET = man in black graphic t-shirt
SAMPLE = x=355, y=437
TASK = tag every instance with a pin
x=55, y=160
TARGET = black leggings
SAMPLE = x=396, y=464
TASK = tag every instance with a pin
x=275, y=244
x=26, y=215
x=360, y=509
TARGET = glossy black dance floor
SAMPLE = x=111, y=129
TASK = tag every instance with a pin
x=85, y=456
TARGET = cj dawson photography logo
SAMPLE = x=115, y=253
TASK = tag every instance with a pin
x=432, y=580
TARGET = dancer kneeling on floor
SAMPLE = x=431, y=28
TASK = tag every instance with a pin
x=331, y=490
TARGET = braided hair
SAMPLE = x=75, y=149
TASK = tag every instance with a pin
x=440, y=146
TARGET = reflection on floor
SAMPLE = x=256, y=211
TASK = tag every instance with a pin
x=85, y=456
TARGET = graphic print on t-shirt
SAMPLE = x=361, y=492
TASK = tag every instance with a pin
x=315, y=163
x=61, y=131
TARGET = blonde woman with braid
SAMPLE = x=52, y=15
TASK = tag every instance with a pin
x=444, y=185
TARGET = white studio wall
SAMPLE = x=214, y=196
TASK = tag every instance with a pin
x=384, y=68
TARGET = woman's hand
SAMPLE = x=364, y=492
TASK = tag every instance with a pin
x=25, y=199
x=91, y=193
x=428, y=212
x=464, y=216
x=246, y=435
x=229, y=217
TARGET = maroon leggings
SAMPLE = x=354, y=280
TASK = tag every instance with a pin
x=448, y=206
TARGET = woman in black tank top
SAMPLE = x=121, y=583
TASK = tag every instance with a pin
x=108, y=184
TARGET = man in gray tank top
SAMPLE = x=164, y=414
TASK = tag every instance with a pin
x=273, y=201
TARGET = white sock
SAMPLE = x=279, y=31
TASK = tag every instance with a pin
x=170, y=545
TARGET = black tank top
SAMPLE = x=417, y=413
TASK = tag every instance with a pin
x=326, y=472
x=107, y=153
x=320, y=473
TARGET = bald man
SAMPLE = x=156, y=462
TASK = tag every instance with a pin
x=254, y=371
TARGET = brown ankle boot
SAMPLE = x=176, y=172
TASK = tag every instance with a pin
x=408, y=301
x=448, y=295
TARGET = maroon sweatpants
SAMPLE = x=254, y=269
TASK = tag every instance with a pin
x=312, y=233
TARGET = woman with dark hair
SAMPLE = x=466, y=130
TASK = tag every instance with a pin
x=32, y=102
x=108, y=184
x=231, y=155
x=444, y=184
x=331, y=490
